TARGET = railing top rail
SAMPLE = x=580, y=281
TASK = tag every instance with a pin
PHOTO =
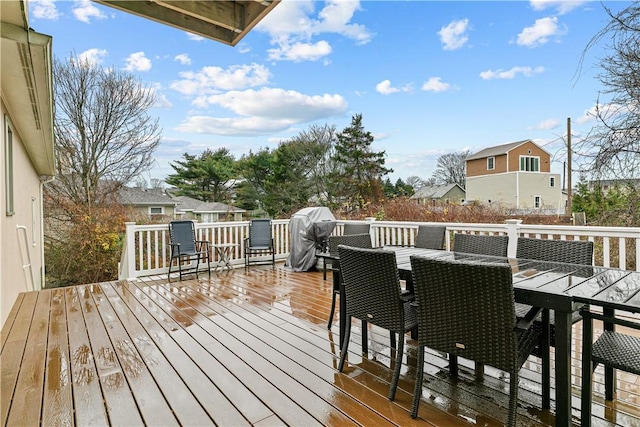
x=584, y=229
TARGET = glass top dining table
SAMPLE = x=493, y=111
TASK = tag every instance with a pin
x=560, y=287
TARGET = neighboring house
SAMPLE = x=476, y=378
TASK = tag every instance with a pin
x=149, y=203
x=608, y=184
x=440, y=194
x=27, y=156
x=190, y=208
x=516, y=175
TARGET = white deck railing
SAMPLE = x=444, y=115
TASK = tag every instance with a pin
x=146, y=250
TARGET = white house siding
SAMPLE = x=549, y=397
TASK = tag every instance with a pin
x=498, y=188
x=533, y=184
x=517, y=190
x=14, y=250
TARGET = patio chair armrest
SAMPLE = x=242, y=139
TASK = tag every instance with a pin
x=523, y=324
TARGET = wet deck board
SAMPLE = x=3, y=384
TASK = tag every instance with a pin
x=244, y=348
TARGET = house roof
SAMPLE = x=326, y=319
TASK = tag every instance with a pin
x=186, y=203
x=138, y=197
x=499, y=150
x=26, y=82
x=224, y=21
x=435, y=191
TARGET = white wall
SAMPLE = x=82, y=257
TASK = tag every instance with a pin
x=517, y=189
x=14, y=248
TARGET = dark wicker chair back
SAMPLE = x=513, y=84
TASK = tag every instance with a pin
x=569, y=251
x=355, y=240
x=373, y=294
x=355, y=228
x=467, y=310
x=481, y=244
x=431, y=236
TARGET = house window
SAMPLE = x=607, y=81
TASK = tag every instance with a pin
x=552, y=181
x=530, y=163
x=8, y=166
x=156, y=210
x=537, y=202
x=491, y=163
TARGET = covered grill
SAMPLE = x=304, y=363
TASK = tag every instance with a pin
x=309, y=229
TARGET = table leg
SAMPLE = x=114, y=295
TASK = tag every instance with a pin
x=609, y=372
x=563, y=368
x=343, y=306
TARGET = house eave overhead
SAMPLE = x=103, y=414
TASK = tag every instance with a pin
x=225, y=21
x=26, y=82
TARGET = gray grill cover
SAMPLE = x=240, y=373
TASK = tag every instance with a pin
x=308, y=227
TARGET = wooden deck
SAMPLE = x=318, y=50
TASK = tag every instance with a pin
x=244, y=348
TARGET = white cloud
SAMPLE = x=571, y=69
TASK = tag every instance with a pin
x=300, y=51
x=454, y=35
x=213, y=79
x=510, y=74
x=546, y=125
x=587, y=116
x=292, y=27
x=605, y=110
x=137, y=62
x=435, y=84
x=561, y=6
x=93, y=56
x=274, y=103
x=183, y=58
x=161, y=99
x=263, y=111
x=44, y=9
x=540, y=32
x=84, y=10
x=385, y=88
x=195, y=37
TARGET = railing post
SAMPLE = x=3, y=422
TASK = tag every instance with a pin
x=131, y=250
x=373, y=233
x=512, y=232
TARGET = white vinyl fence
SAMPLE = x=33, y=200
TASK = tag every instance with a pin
x=146, y=250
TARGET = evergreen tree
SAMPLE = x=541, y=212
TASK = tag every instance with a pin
x=207, y=177
x=357, y=179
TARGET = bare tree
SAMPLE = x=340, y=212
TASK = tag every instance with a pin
x=450, y=169
x=417, y=183
x=613, y=145
x=104, y=135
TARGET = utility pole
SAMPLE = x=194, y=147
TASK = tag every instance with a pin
x=568, y=167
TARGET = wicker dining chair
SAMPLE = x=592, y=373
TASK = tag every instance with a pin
x=372, y=287
x=355, y=240
x=565, y=251
x=481, y=244
x=467, y=310
x=355, y=228
x=613, y=349
x=431, y=236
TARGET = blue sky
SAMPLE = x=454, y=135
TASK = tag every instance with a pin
x=429, y=78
